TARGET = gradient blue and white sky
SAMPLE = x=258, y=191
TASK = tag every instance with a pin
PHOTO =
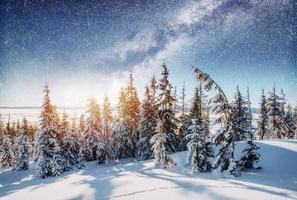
x=86, y=48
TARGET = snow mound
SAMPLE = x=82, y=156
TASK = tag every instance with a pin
x=140, y=180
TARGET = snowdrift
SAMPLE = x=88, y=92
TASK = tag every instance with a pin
x=140, y=180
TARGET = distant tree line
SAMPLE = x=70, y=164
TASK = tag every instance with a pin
x=154, y=128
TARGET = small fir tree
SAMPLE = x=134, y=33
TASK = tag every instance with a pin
x=158, y=142
x=251, y=157
x=124, y=144
x=22, y=155
x=6, y=153
x=199, y=147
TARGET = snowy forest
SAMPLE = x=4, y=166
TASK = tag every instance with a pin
x=153, y=128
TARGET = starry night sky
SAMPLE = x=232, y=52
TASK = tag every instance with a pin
x=86, y=48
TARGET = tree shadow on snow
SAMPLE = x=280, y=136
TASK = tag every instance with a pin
x=276, y=172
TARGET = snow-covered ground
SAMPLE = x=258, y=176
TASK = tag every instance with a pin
x=140, y=180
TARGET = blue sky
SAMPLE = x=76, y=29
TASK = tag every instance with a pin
x=87, y=49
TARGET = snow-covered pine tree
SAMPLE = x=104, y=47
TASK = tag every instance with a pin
x=105, y=149
x=166, y=115
x=199, y=147
x=22, y=155
x=274, y=114
x=70, y=144
x=124, y=144
x=105, y=152
x=196, y=112
x=147, y=127
x=158, y=142
x=6, y=153
x=251, y=157
x=263, y=118
x=128, y=122
x=10, y=133
x=224, y=161
x=132, y=112
x=182, y=132
x=48, y=148
x=58, y=162
x=92, y=133
x=284, y=129
x=240, y=117
x=289, y=123
x=70, y=148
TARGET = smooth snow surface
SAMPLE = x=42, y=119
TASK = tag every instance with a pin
x=140, y=180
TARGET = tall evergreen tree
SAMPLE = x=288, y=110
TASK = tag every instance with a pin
x=129, y=109
x=92, y=133
x=241, y=119
x=283, y=126
x=22, y=155
x=196, y=113
x=225, y=136
x=105, y=151
x=147, y=128
x=166, y=115
x=263, y=118
x=132, y=104
x=184, y=122
x=50, y=161
x=274, y=114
